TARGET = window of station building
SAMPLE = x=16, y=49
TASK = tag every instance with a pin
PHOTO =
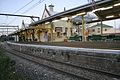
x=98, y=31
x=105, y=29
x=98, y=28
x=58, y=34
x=93, y=30
x=58, y=29
x=65, y=33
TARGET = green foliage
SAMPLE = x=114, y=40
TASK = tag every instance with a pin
x=7, y=69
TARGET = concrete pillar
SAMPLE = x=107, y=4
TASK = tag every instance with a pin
x=32, y=34
x=83, y=28
x=69, y=27
x=35, y=34
x=26, y=35
x=52, y=27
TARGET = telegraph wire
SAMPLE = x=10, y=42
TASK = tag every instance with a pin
x=36, y=4
x=24, y=6
x=19, y=10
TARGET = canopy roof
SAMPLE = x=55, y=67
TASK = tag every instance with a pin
x=104, y=9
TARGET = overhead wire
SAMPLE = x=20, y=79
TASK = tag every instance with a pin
x=19, y=10
x=24, y=6
x=36, y=4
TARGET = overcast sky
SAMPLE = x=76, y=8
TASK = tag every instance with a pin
x=11, y=6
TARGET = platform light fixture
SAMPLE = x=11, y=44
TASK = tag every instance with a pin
x=55, y=20
x=118, y=4
x=65, y=18
x=80, y=14
x=47, y=22
x=104, y=8
x=94, y=19
x=96, y=10
x=73, y=16
x=110, y=16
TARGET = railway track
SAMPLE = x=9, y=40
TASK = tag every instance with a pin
x=36, y=60
x=49, y=63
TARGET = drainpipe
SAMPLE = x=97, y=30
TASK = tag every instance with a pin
x=33, y=32
x=51, y=23
x=101, y=27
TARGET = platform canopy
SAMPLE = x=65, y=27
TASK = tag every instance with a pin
x=110, y=11
x=104, y=9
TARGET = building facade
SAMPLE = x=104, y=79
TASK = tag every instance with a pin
x=98, y=29
x=54, y=31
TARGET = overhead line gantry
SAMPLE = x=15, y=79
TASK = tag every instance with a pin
x=20, y=15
